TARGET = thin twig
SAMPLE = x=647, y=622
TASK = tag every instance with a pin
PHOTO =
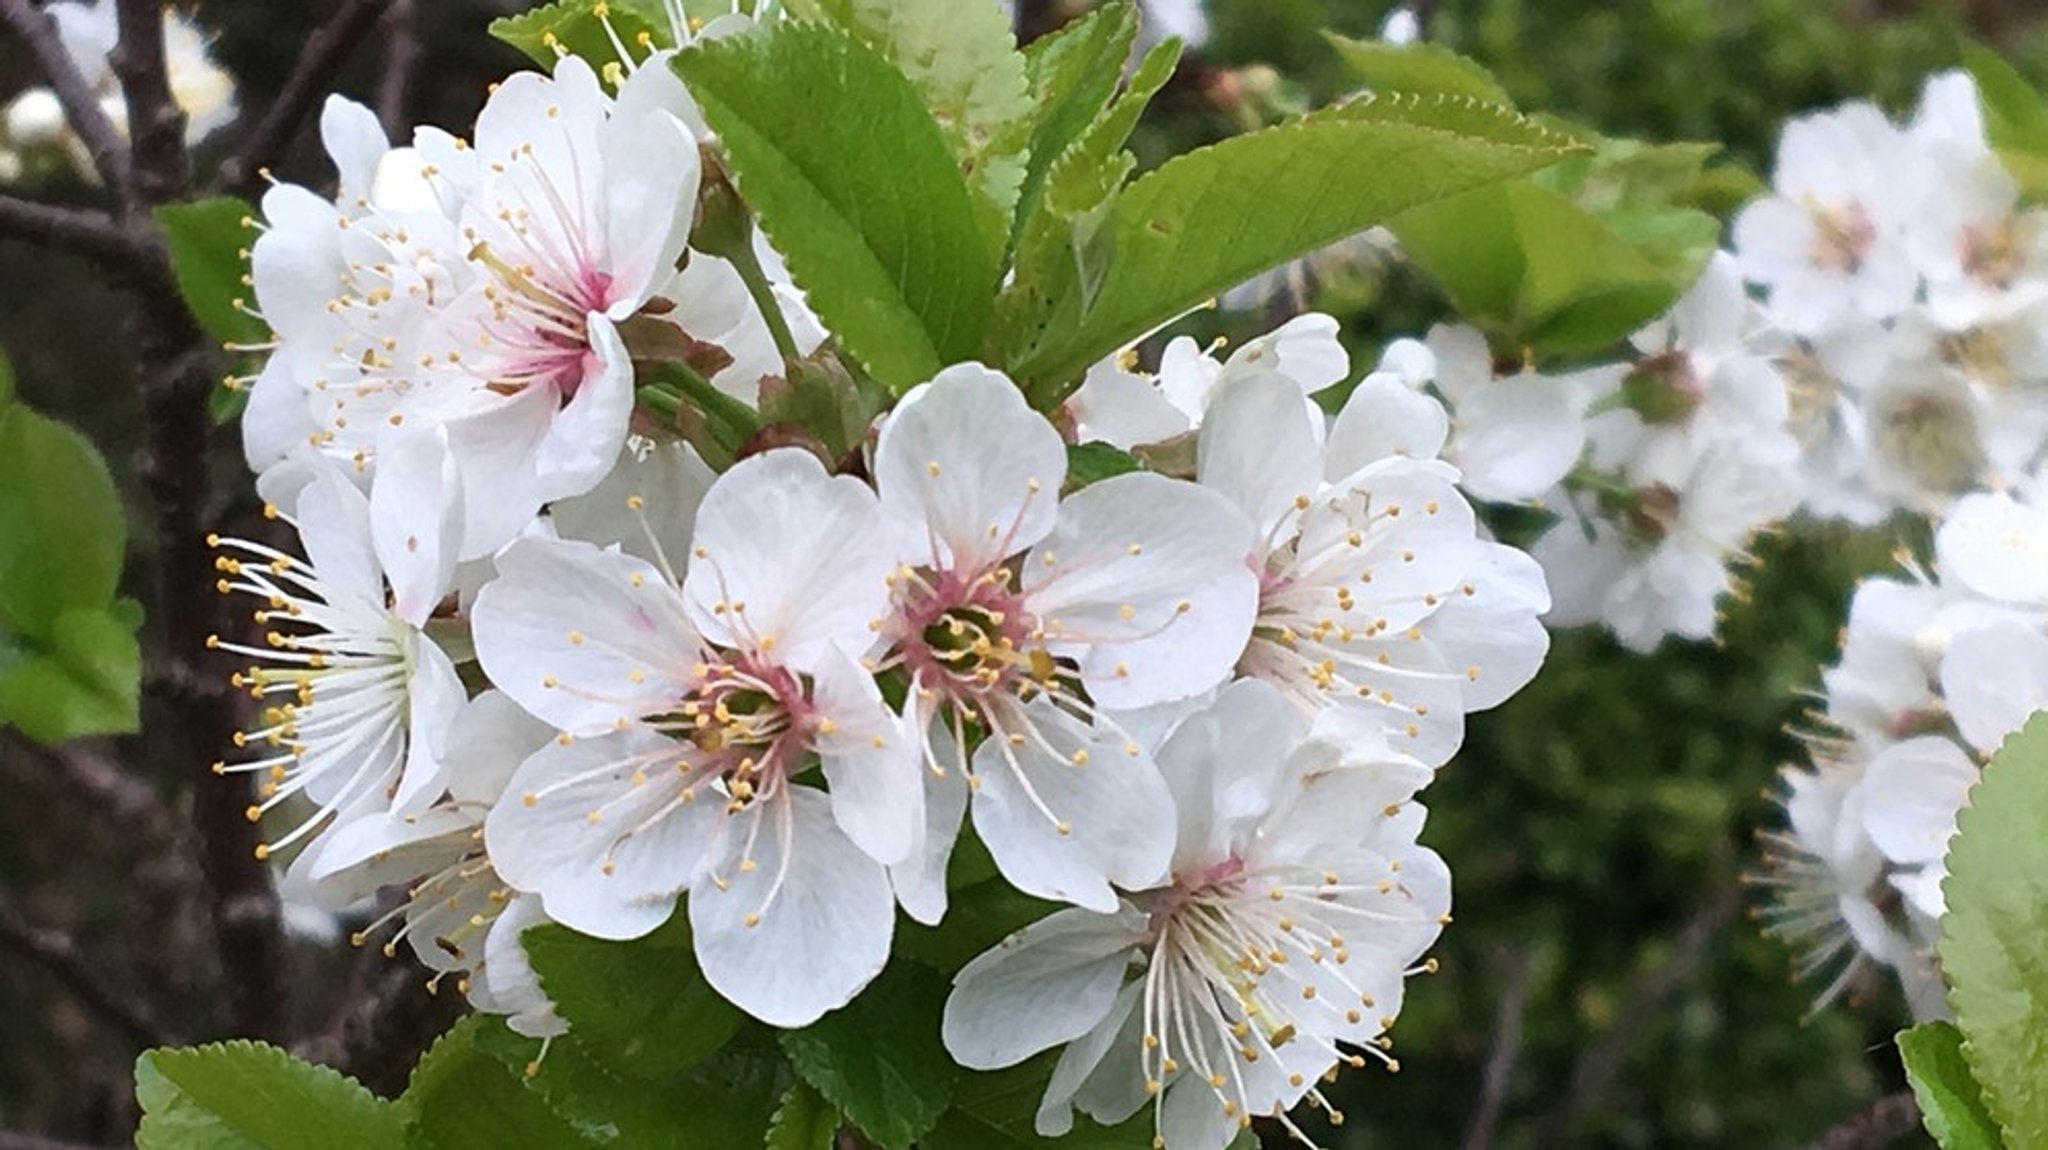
x=92, y=234
x=188, y=715
x=1504, y=1050
x=401, y=59
x=58, y=956
x=83, y=769
x=1603, y=1059
x=81, y=107
x=1884, y=1122
x=325, y=51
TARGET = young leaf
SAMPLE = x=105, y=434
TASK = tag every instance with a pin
x=463, y=1098
x=963, y=59
x=1423, y=69
x=1951, y=1106
x=996, y=1111
x=857, y=187
x=2015, y=115
x=879, y=1060
x=1073, y=73
x=1991, y=946
x=1205, y=221
x=62, y=538
x=209, y=242
x=671, y=1019
x=574, y=27
x=250, y=1096
x=1094, y=462
x=804, y=1121
x=83, y=678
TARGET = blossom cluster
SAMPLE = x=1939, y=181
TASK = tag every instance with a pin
x=1936, y=670
x=533, y=659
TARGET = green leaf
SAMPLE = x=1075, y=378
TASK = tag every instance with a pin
x=573, y=26
x=978, y=917
x=1992, y=948
x=1073, y=73
x=2015, y=116
x=963, y=59
x=804, y=1121
x=1951, y=1106
x=1094, y=462
x=1206, y=221
x=1425, y=69
x=996, y=1111
x=857, y=186
x=251, y=1096
x=84, y=678
x=209, y=241
x=61, y=534
x=893, y=1088
x=672, y=1018
x=463, y=1098
x=6, y=383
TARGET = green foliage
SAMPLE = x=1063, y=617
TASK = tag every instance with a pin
x=995, y=1111
x=1419, y=68
x=573, y=26
x=209, y=241
x=1073, y=73
x=879, y=1059
x=1951, y=1105
x=463, y=1098
x=1094, y=462
x=69, y=661
x=251, y=1096
x=2015, y=118
x=1170, y=254
x=671, y=1020
x=804, y=1121
x=1575, y=259
x=961, y=59
x=1991, y=946
x=857, y=186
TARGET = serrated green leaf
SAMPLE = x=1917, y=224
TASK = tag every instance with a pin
x=895, y=1088
x=461, y=1097
x=209, y=241
x=61, y=533
x=1206, y=221
x=672, y=1018
x=857, y=187
x=1427, y=69
x=978, y=917
x=84, y=678
x=804, y=1121
x=1991, y=946
x=573, y=26
x=1951, y=1107
x=963, y=59
x=1073, y=73
x=252, y=1096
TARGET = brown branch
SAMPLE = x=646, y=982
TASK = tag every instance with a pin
x=401, y=59
x=59, y=957
x=1603, y=1059
x=1504, y=1051
x=81, y=108
x=1884, y=1122
x=93, y=234
x=83, y=769
x=322, y=57
x=188, y=714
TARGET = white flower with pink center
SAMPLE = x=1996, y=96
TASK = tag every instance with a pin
x=689, y=710
x=1022, y=614
x=1375, y=590
x=1297, y=904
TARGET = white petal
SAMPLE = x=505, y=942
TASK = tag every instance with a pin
x=1117, y=811
x=966, y=464
x=1147, y=583
x=486, y=742
x=1994, y=677
x=1493, y=635
x=416, y=518
x=821, y=913
x=1260, y=447
x=1517, y=437
x=574, y=810
x=355, y=142
x=583, y=638
x=434, y=697
x=333, y=519
x=646, y=505
x=1050, y=983
x=1122, y=408
x=1384, y=416
x=583, y=439
x=1082, y=1061
x=1223, y=765
x=514, y=987
x=1997, y=547
x=871, y=763
x=788, y=560
x=1912, y=792
x=920, y=880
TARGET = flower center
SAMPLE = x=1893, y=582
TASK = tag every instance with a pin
x=967, y=638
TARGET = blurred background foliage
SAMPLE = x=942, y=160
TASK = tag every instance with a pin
x=1602, y=985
